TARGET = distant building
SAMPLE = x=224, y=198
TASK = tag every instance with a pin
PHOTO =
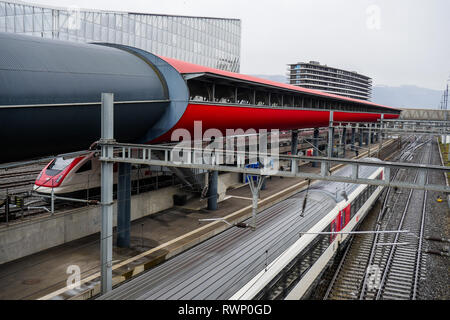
x=211, y=42
x=313, y=75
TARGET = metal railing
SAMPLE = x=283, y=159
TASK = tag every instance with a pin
x=191, y=158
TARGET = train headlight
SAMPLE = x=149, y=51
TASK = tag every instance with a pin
x=58, y=179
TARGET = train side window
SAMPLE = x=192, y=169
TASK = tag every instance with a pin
x=358, y=202
x=85, y=167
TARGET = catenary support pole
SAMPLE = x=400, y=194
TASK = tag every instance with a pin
x=361, y=136
x=294, y=145
x=255, y=187
x=353, y=139
x=344, y=141
x=380, y=136
x=366, y=135
x=106, y=237
x=371, y=134
x=325, y=166
x=316, y=145
x=330, y=136
x=124, y=205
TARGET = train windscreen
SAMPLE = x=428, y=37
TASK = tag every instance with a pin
x=58, y=165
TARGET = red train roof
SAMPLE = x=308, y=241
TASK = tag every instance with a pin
x=186, y=67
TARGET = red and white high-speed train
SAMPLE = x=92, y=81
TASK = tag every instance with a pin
x=66, y=176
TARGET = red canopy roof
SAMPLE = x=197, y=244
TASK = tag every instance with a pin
x=186, y=67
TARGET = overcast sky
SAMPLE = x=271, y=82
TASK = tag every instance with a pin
x=396, y=42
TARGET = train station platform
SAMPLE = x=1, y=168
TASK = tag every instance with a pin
x=154, y=239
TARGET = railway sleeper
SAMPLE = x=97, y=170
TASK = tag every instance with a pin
x=395, y=268
x=396, y=295
x=398, y=287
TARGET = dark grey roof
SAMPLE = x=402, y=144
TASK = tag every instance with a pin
x=40, y=71
x=50, y=93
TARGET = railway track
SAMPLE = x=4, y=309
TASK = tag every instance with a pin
x=18, y=180
x=15, y=184
x=387, y=266
x=18, y=174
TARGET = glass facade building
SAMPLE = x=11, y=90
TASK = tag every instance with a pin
x=211, y=42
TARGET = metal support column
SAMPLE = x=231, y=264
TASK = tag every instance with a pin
x=353, y=139
x=124, y=205
x=361, y=136
x=316, y=146
x=106, y=237
x=330, y=136
x=294, y=144
x=371, y=134
x=213, y=178
x=366, y=136
x=380, y=136
x=263, y=185
x=325, y=166
x=377, y=134
x=344, y=141
x=255, y=186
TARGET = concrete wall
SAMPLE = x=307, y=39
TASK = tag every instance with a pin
x=21, y=239
x=227, y=180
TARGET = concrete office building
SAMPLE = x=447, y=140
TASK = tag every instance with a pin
x=211, y=42
x=313, y=75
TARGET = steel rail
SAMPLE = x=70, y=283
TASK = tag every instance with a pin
x=335, y=287
x=388, y=264
x=420, y=240
x=18, y=174
x=375, y=240
x=338, y=270
x=341, y=284
x=410, y=146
